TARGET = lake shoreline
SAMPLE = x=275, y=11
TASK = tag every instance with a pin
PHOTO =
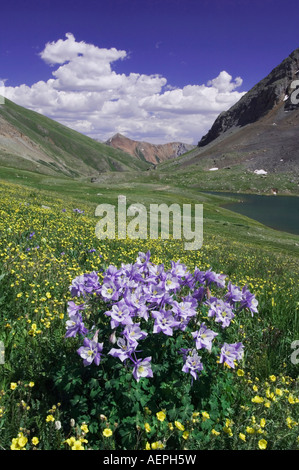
x=279, y=212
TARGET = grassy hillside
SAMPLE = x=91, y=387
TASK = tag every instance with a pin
x=61, y=149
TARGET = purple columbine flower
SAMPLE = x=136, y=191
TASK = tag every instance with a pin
x=216, y=306
x=183, y=312
x=110, y=274
x=224, y=315
x=171, y=282
x=249, y=301
x=85, y=284
x=91, y=283
x=230, y=353
x=165, y=322
x=218, y=279
x=73, y=308
x=133, y=333
x=109, y=291
x=119, y=314
x=193, y=364
x=199, y=294
x=75, y=326
x=142, y=368
x=199, y=276
x=178, y=269
x=143, y=259
x=77, y=286
x=154, y=293
x=135, y=298
x=184, y=309
x=234, y=294
x=124, y=351
x=91, y=351
x=204, y=337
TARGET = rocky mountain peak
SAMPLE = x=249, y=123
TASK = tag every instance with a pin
x=275, y=88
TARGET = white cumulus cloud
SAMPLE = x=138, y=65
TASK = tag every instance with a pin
x=86, y=94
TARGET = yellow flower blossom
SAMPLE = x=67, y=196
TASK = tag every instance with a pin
x=77, y=445
x=84, y=428
x=161, y=415
x=147, y=427
x=262, y=444
x=179, y=425
x=257, y=399
x=50, y=418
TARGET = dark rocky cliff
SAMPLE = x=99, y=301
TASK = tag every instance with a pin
x=261, y=99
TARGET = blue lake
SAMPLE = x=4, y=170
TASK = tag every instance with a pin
x=278, y=212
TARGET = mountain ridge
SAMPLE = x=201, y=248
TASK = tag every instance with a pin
x=151, y=153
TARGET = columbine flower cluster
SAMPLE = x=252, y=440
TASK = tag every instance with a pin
x=144, y=296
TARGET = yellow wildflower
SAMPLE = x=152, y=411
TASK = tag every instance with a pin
x=262, y=444
x=250, y=430
x=77, y=446
x=50, y=418
x=147, y=427
x=161, y=415
x=84, y=428
x=257, y=399
x=179, y=425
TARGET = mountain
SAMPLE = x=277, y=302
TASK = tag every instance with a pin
x=260, y=131
x=31, y=141
x=148, y=152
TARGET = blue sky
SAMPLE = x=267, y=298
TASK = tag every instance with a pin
x=173, y=64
